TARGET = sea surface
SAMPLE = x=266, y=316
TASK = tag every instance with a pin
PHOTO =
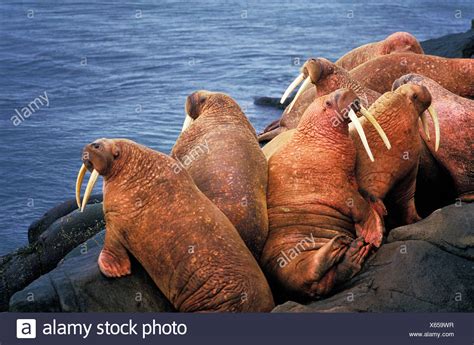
x=124, y=69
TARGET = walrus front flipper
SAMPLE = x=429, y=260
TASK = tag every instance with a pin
x=114, y=261
x=368, y=218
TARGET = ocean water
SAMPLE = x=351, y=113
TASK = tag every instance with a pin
x=124, y=69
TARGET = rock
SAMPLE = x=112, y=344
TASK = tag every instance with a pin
x=459, y=45
x=77, y=285
x=20, y=268
x=422, y=268
x=272, y=102
x=450, y=228
x=39, y=226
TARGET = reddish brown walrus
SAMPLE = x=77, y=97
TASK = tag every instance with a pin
x=398, y=42
x=392, y=176
x=186, y=244
x=314, y=208
x=456, y=153
x=233, y=172
x=321, y=77
x=456, y=75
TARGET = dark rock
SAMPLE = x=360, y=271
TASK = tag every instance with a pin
x=39, y=226
x=272, y=102
x=459, y=45
x=450, y=228
x=20, y=268
x=77, y=285
x=422, y=268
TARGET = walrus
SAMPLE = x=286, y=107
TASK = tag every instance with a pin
x=320, y=77
x=455, y=75
x=233, y=172
x=187, y=245
x=392, y=177
x=320, y=228
x=456, y=155
x=398, y=42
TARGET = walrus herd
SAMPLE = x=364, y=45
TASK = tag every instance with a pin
x=380, y=138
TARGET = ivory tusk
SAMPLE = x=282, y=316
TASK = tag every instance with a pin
x=434, y=117
x=90, y=186
x=376, y=125
x=188, y=121
x=80, y=178
x=303, y=87
x=424, y=123
x=361, y=133
x=292, y=86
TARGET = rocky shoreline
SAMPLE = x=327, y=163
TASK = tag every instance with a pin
x=423, y=267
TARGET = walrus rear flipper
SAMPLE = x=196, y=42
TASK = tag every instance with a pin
x=272, y=125
x=267, y=136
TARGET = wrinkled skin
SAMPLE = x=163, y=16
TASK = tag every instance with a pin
x=455, y=154
x=185, y=243
x=321, y=228
x=398, y=42
x=327, y=77
x=392, y=176
x=455, y=75
x=233, y=173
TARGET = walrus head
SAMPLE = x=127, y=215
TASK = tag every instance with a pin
x=400, y=42
x=420, y=97
x=99, y=157
x=326, y=78
x=337, y=110
x=200, y=101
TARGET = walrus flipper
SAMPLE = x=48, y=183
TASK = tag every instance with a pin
x=368, y=218
x=319, y=267
x=267, y=136
x=114, y=261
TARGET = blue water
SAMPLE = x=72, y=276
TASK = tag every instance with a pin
x=116, y=69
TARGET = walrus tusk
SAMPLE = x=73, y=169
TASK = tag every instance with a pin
x=303, y=87
x=376, y=125
x=424, y=122
x=434, y=117
x=292, y=86
x=360, y=131
x=90, y=186
x=187, y=122
x=80, y=178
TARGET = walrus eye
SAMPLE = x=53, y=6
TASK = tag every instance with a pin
x=95, y=146
x=415, y=96
x=328, y=104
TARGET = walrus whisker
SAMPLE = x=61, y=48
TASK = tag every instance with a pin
x=376, y=125
x=291, y=87
x=303, y=87
x=434, y=117
x=80, y=178
x=188, y=121
x=89, y=188
x=360, y=131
